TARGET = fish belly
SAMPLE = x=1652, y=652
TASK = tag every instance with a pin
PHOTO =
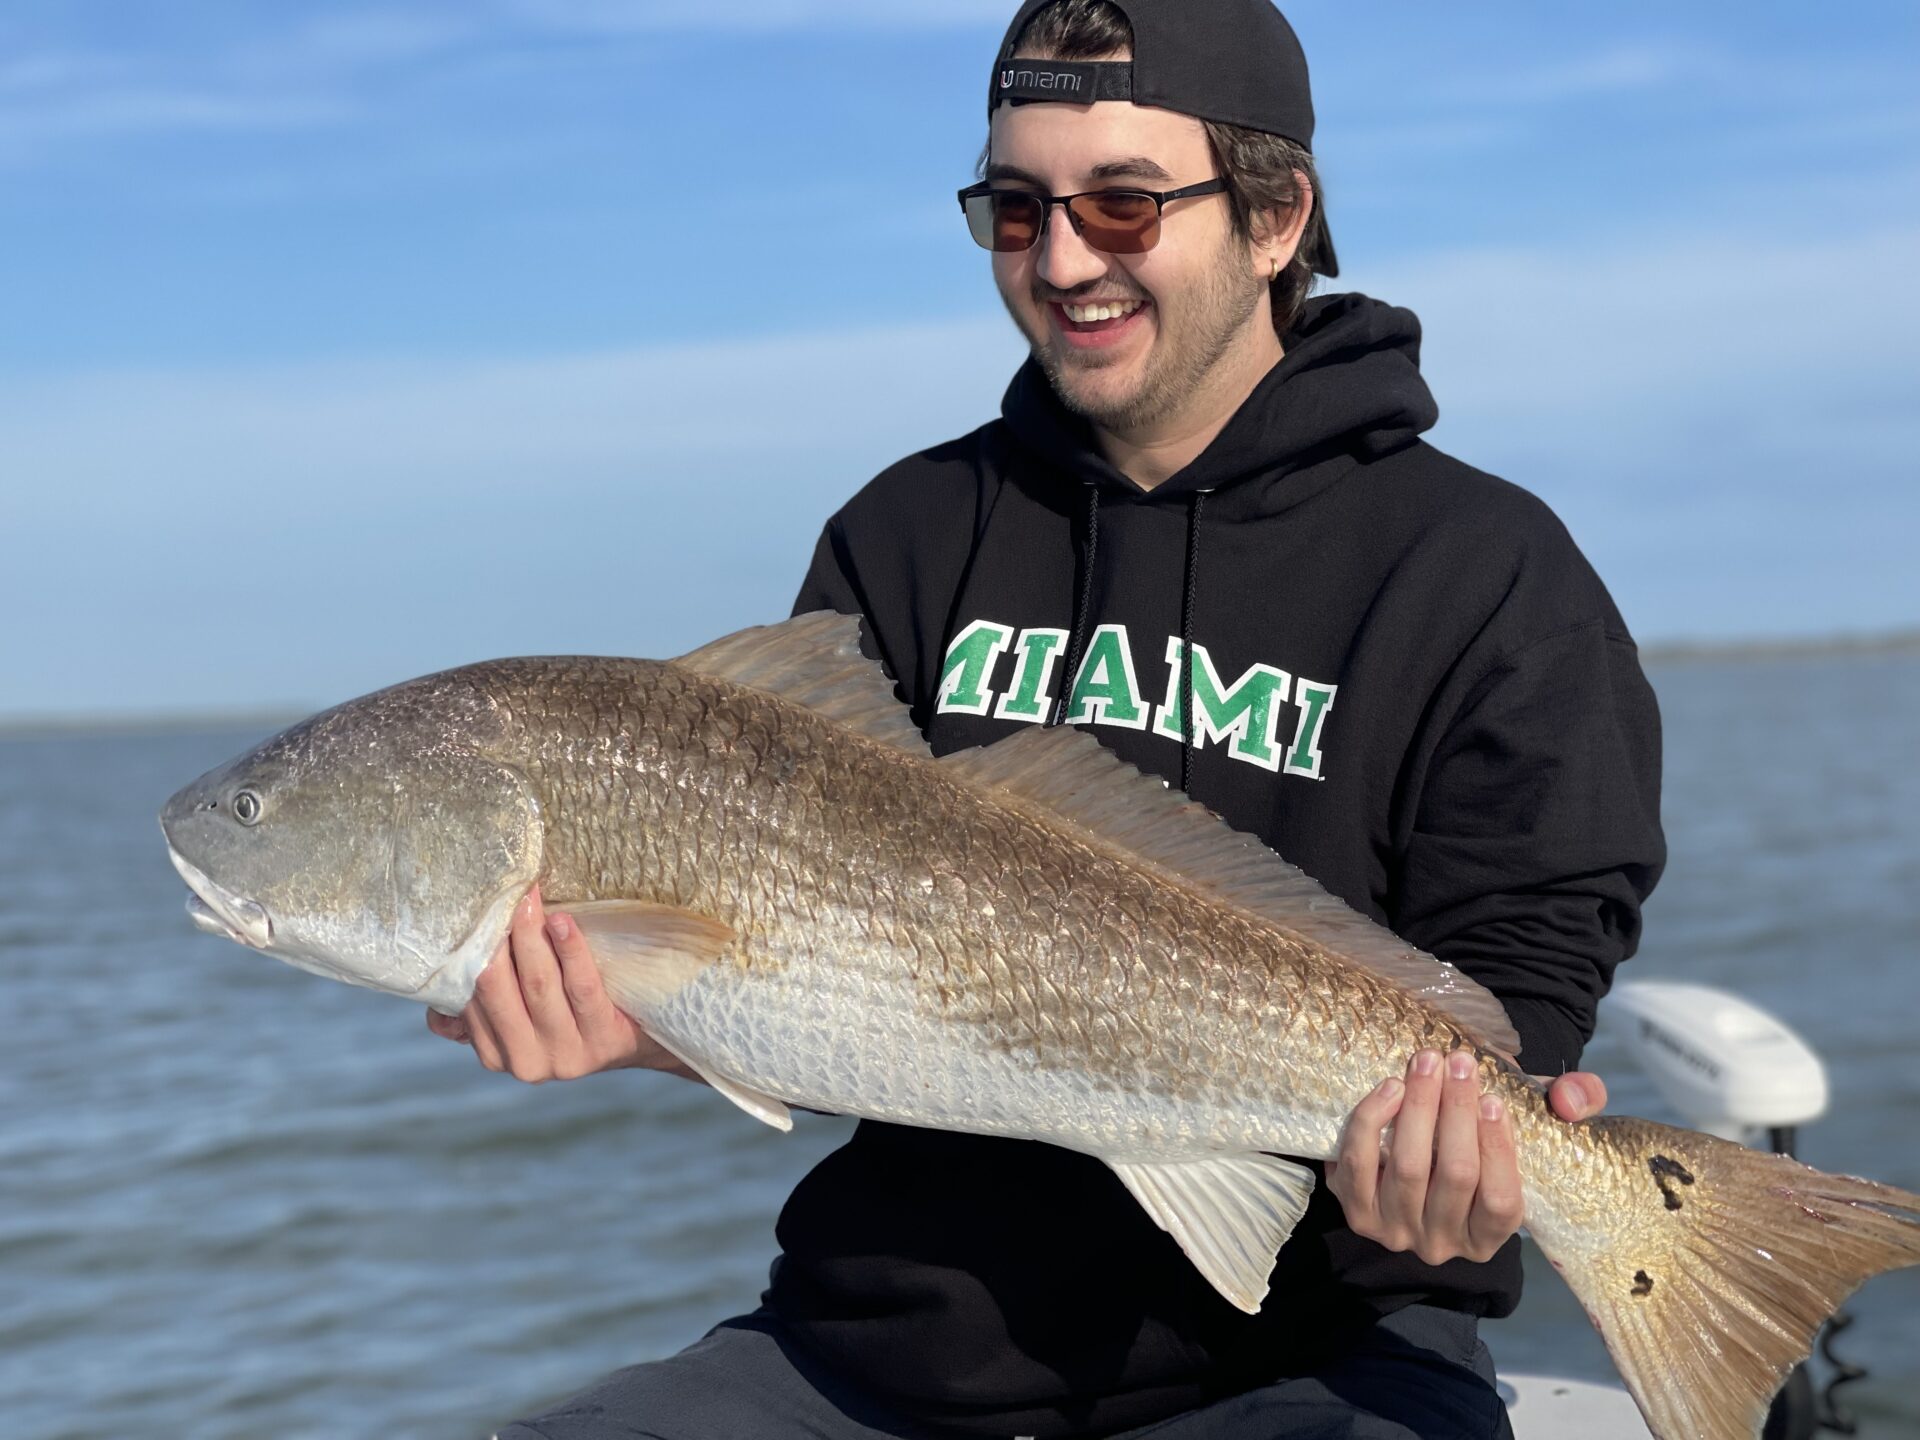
x=861, y=1043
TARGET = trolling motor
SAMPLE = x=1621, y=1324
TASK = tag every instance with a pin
x=1732, y=1070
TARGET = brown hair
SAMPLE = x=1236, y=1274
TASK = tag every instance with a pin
x=1259, y=168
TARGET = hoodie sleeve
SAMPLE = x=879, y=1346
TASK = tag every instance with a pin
x=830, y=584
x=833, y=582
x=1537, y=835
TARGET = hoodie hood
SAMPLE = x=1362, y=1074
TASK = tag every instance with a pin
x=1348, y=385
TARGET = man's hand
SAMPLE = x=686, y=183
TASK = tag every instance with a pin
x=1448, y=1186
x=540, y=1011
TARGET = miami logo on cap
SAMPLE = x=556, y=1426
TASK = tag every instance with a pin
x=1006, y=79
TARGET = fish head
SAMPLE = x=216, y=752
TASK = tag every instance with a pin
x=374, y=848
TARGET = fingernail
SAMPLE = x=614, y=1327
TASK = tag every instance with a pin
x=1574, y=1093
x=1426, y=1062
x=557, y=928
x=1460, y=1064
x=1490, y=1108
x=1390, y=1089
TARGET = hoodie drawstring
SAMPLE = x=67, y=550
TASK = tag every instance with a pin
x=1186, y=643
x=1082, y=604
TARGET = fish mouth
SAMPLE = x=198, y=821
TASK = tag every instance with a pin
x=219, y=911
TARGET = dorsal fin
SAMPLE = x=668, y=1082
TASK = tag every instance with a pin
x=1078, y=778
x=814, y=660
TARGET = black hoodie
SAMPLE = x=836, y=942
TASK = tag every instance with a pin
x=1407, y=681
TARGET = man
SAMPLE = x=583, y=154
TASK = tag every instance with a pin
x=1206, y=529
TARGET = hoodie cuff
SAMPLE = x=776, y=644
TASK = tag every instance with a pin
x=1550, y=1042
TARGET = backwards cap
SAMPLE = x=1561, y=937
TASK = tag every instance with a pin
x=1234, y=61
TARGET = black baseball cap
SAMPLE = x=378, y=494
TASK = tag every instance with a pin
x=1234, y=61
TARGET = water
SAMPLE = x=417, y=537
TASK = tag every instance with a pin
x=237, y=1201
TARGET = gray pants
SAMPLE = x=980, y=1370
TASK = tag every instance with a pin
x=1421, y=1374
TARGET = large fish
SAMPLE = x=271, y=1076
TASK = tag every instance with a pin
x=1032, y=939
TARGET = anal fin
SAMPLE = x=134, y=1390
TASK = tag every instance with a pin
x=761, y=1106
x=1229, y=1213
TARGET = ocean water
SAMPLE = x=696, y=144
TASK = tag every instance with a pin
x=238, y=1201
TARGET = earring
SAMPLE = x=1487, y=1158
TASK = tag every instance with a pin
x=1276, y=271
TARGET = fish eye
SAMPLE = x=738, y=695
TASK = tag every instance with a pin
x=246, y=807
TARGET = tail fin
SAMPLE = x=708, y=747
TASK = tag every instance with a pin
x=1709, y=1268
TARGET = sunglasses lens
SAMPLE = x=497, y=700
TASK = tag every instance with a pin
x=1004, y=220
x=1118, y=222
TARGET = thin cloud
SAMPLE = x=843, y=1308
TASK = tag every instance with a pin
x=1613, y=71
x=314, y=70
x=64, y=95
x=140, y=109
x=304, y=75
x=638, y=16
x=460, y=424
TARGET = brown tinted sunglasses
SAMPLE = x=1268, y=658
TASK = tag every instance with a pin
x=1115, y=222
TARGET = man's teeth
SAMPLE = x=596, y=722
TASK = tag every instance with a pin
x=1086, y=314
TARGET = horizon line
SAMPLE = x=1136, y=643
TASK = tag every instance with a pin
x=106, y=724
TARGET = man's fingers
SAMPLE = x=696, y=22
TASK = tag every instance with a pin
x=603, y=1025
x=448, y=1027
x=486, y=1044
x=497, y=1002
x=1500, y=1207
x=1577, y=1095
x=542, y=991
x=1403, y=1185
x=1456, y=1157
x=1354, y=1174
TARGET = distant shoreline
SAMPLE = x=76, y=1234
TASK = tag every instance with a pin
x=1895, y=642
x=266, y=721
x=53, y=727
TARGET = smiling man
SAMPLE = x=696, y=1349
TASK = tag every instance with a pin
x=1206, y=529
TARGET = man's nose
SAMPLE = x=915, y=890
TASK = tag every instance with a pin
x=1066, y=260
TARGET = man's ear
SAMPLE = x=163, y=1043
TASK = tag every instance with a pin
x=1278, y=232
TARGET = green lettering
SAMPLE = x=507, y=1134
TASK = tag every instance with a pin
x=1313, y=700
x=1026, y=697
x=1105, y=692
x=1247, y=712
x=968, y=671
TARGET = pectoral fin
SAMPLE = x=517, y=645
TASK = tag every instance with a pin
x=646, y=954
x=1230, y=1213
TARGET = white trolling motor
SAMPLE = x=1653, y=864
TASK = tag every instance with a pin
x=1732, y=1070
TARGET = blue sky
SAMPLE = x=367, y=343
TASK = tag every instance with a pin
x=342, y=341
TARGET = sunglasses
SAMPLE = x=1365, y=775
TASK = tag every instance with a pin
x=1115, y=222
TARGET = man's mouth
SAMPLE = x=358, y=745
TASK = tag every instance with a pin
x=1096, y=325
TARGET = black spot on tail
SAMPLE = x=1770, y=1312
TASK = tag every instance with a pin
x=1642, y=1284
x=1665, y=1170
